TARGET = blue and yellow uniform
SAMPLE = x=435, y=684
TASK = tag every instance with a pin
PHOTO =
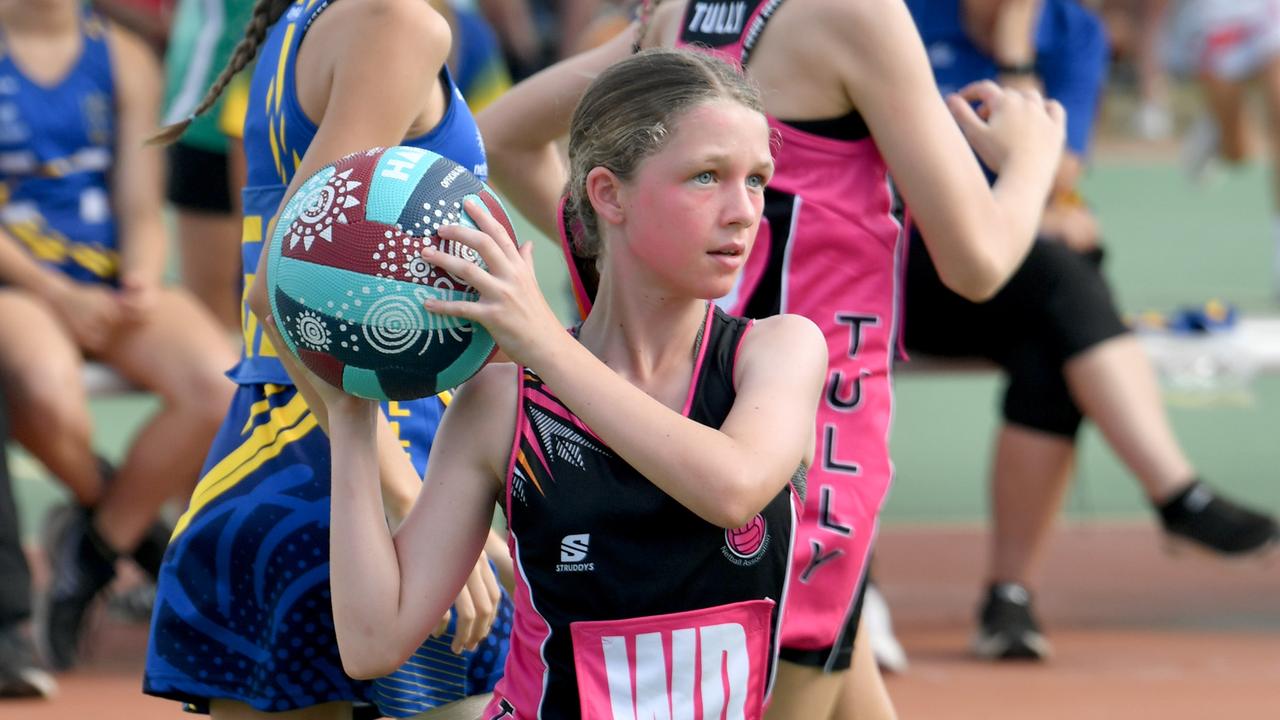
x=478, y=64
x=57, y=145
x=242, y=609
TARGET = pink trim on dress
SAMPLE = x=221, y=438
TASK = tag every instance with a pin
x=702, y=354
x=524, y=679
x=566, y=247
x=904, y=255
x=548, y=402
x=515, y=442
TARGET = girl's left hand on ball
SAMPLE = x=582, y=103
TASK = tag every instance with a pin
x=511, y=306
x=335, y=400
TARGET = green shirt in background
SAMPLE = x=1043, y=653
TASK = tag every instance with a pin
x=203, y=36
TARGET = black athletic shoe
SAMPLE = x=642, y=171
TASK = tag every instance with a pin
x=134, y=604
x=1006, y=628
x=20, y=675
x=81, y=565
x=150, y=551
x=1209, y=521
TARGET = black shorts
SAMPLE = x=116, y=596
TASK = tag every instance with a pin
x=1057, y=305
x=833, y=659
x=199, y=180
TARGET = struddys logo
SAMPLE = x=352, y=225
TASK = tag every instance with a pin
x=746, y=545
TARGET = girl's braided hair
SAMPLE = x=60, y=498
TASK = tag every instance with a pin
x=265, y=14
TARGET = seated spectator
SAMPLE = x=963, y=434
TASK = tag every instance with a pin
x=1054, y=328
x=81, y=256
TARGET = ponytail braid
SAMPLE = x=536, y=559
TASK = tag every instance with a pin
x=265, y=14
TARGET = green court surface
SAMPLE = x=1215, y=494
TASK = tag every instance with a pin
x=1168, y=244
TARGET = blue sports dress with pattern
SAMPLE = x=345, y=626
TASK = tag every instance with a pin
x=243, y=606
x=57, y=146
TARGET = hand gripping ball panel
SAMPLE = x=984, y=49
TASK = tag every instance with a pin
x=347, y=282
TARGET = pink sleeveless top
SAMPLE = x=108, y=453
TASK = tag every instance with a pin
x=831, y=247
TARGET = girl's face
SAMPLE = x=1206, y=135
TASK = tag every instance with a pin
x=692, y=209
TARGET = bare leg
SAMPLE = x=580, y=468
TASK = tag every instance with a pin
x=237, y=175
x=49, y=409
x=211, y=263
x=802, y=692
x=863, y=696
x=1152, y=81
x=1153, y=121
x=1029, y=478
x=181, y=355
x=1114, y=384
x=1225, y=101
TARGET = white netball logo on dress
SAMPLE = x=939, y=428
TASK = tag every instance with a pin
x=746, y=545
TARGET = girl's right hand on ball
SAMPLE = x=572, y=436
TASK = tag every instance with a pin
x=511, y=306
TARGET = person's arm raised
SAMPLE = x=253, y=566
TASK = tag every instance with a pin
x=521, y=127
x=389, y=593
x=977, y=235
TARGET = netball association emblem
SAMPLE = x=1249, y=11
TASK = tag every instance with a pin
x=746, y=545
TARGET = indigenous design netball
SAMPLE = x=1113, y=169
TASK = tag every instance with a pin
x=347, y=281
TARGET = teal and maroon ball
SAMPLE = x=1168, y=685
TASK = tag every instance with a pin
x=347, y=281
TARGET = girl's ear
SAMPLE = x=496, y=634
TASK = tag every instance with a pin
x=604, y=191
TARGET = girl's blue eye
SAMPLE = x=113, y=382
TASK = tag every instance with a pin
x=704, y=178
x=755, y=181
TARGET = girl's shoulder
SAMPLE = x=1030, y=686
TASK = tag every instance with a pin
x=792, y=339
x=496, y=382
x=785, y=328
x=126, y=46
x=375, y=22
x=135, y=69
x=487, y=405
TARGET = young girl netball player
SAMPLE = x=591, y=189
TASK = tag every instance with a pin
x=243, y=623
x=851, y=82
x=644, y=460
x=81, y=257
